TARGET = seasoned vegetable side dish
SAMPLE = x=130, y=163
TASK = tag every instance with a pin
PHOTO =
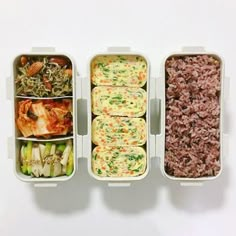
x=192, y=140
x=47, y=159
x=118, y=161
x=119, y=70
x=119, y=101
x=44, y=118
x=44, y=76
x=118, y=131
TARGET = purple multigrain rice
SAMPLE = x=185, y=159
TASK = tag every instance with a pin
x=192, y=145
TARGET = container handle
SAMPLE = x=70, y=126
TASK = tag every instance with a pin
x=159, y=107
x=82, y=125
x=155, y=116
x=193, y=49
x=118, y=49
x=119, y=184
x=82, y=117
x=82, y=107
x=43, y=49
x=152, y=117
x=9, y=88
x=45, y=185
x=9, y=147
x=191, y=184
x=155, y=124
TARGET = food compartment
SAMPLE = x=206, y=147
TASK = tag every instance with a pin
x=45, y=159
x=43, y=76
x=119, y=117
x=119, y=101
x=193, y=116
x=121, y=131
x=44, y=119
x=119, y=161
x=119, y=70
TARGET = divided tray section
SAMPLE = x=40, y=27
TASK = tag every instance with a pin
x=192, y=117
x=119, y=117
x=44, y=108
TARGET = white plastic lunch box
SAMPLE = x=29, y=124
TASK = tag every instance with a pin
x=82, y=119
x=161, y=96
x=150, y=144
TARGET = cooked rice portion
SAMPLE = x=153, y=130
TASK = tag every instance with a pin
x=192, y=146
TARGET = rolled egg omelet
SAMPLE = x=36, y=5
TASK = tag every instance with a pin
x=118, y=131
x=119, y=101
x=119, y=70
x=118, y=161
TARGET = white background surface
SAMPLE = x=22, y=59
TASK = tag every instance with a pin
x=83, y=206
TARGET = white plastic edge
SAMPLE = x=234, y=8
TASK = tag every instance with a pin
x=152, y=137
x=45, y=185
x=226, y=87
x=9, y=147
x=193, y=49
x=86, y=96
x=118, y=49
x=43, y=49
x=225, y=145
x=79, y=146
x=9, y=94
x=160, y=138
x=79, y=84
x=111, y=184
x=191, y=184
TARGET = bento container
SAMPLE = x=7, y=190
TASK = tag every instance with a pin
x=118, y=181
x=82, y=119
x=161, y=97
x=17, y=139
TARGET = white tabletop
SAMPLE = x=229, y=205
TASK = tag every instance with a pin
x=84, y=206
